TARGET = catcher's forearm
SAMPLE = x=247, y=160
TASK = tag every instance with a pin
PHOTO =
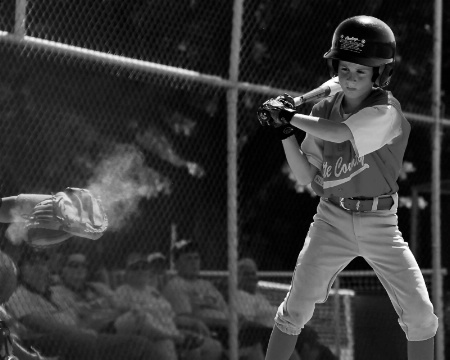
x=16, y=208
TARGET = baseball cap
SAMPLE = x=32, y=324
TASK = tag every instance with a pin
x=75, y=259
x=136, y=261
x=247, y=263
x=184, y=247
x=156, y=257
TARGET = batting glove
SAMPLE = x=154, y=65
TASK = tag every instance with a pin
x=278, y=113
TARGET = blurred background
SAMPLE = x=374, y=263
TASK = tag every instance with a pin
x=129, y=99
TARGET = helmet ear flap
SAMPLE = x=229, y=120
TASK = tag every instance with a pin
x=333, y=65
x=384, y=74
x=376, y=74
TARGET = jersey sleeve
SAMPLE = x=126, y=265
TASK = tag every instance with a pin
x=373, y=127
x=312, y=147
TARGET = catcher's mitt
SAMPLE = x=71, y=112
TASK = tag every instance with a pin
x=72, y=212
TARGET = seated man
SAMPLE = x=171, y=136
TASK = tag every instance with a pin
x=151, y=315
x=10, y=343
x=56, y=332
x=253, y=305
x=310, y=348
x=93, y=302
x=199, y=299
x=159, y=268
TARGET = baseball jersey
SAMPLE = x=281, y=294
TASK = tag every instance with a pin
x=368, y=165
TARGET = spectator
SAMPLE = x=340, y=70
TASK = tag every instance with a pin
x=253, y=305
x=159, y=265
x=151, y=315
x=54, y=331
x=199, y=299
x=309, y=346
x=93, y=302
x=10, y=343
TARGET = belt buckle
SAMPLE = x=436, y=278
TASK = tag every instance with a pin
x=341, y=204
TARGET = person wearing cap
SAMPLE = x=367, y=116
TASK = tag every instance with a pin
x=201, y=301
x=10, y=342
x=158, y=265
x=151, y=315
x=55, y=331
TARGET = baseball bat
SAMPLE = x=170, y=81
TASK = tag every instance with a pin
x=328, y=88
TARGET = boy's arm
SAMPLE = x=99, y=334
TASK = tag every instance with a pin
x=322, y=128
x=303, y=171
x=280, y=112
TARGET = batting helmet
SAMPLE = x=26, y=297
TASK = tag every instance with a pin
x=364, y=40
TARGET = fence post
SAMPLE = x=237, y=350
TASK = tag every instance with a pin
x=232, y=104
x=337, y=319
x=436, y=178
x=20, y=17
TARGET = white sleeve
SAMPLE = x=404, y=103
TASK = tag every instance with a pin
x=373, y=127
x=312, y=147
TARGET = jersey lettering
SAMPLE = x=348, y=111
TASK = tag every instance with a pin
x=339, y=168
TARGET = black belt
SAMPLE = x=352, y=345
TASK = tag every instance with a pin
x=363, y=205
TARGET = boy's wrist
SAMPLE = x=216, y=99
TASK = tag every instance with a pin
x=284, y=131
x=286, y=115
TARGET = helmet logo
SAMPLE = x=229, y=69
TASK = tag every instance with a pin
x=351, y=43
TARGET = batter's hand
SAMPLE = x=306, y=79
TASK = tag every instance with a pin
x=278, y=113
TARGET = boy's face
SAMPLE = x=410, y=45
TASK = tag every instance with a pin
x=355, y=79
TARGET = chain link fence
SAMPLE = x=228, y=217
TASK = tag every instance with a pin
x=129, y=100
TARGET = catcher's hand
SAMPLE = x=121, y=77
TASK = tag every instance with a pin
x=278, y=113
x=72, y=212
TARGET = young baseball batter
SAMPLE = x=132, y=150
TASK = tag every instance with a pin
x=352, y=155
